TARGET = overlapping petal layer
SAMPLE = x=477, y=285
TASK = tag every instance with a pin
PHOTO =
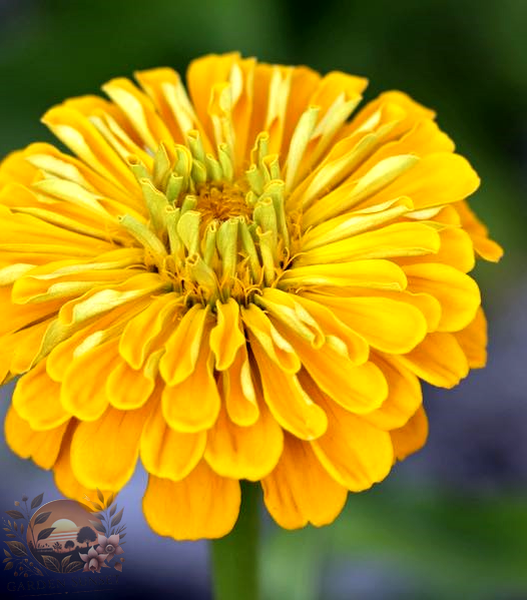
x=246, y=282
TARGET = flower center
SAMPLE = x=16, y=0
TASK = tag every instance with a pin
x=109, y=549
x=220, y=201
x=213, y=232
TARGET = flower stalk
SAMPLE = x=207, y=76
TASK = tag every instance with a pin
x=235, y=557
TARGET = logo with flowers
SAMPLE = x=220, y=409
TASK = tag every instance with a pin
x=63, y=536
x=109, y=538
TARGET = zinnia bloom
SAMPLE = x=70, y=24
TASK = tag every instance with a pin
x=246, y=282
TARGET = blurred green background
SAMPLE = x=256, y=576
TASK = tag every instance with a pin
x=451, y=522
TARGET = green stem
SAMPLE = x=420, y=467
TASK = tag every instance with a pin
x=235, y=557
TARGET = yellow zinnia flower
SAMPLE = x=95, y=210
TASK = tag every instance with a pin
x=247, y=283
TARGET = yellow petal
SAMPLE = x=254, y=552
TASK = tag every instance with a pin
x=388, y=325
x=161, y=84
x=83, y=391
x=239, y=391
x=485, y=247
x=166, y=452
x=244, y=452
x=399, y=239
x=423, y=138
x=193, y=405
x=456, y=250
x=143, y=329
x=103, y=299
x=30, y=391
x=17, y=317
x=439, y=360
x=291, y=316
x=300, y=491
x=357, y=347
x=66, y=481
x=104, y=452
x=226, y=337
x=202, y=75
x=288, y=402
x=437, y=179
x=457, y=293
x=411, y=437
x=183, y=346
x=128, y=389
x=77, y=132
x=41, y=446
x=404, y=395
x=334, y=84
x=355, y=222
x=382, y=274
x=408, y=114
x=139, y=111
x=15, y=168
x=24, y=346
x=358, y=190
x=355, y=453
x=359, y=389
x=207, y=505
x=473, y=340
x=304, y=82
x=278, y=349
x=65, y=342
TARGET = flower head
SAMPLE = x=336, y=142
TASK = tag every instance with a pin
x=109, y=546
x=93, y=560
x=247, y=282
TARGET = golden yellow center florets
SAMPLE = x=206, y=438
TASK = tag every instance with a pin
x=221, y=200
x=213, y=233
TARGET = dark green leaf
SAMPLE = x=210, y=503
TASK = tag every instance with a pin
x=17, y=549
x=8, y=566
x=74, y=566
x=97, y=506
x=51, y=563
x=6, y=529
x=11, y=535
x=45, y=533
x=15, y=514
x=7, y=553
x=100, y=496
x=38, y=571
x=37, y=501
x=6, y=560
x=110, y=500
x=100, y=516
x=121, y=537
x=42, y=518
x=65, y=562
x=117, y=519
x=114, y=508
x=22, y=528
x=16, y=527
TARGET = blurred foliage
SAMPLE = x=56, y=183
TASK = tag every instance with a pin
x=465, y=58
x=436, y=546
